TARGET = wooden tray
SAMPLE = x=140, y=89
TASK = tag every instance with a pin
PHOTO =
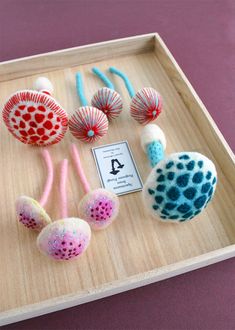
x=136, y=250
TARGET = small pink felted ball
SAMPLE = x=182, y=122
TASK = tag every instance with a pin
x=64, y=239
x=99, y=208
x=146, y=105
x=31, y=214
x=108, y=101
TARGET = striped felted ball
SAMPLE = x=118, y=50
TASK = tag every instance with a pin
x=108, y=101
x=146, y=105
x=180, y=186
x=88, y=124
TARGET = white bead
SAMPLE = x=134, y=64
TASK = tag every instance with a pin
x=43, y=84
x=151, y=133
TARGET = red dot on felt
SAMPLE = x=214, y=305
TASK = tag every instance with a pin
x=48, y=124
x=40, y=131
x=13, y=119
x=17, y=113
x=21, y=107
x=31, y=109
x=32, y=124
x=39, y=117
x=34, y=138
x=52, y=133
x=15, y=126
x=45, y=137
x=57, y=126
x=31, y=131
x=24, y=133
x=58, y=119
x=22, y=124
x=50, y=115
x=26, y=116
x=41, y=108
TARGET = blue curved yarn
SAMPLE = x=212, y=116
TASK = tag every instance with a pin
x=80, y=89
x=103, y=77
x=125, y=79
x=155, y=152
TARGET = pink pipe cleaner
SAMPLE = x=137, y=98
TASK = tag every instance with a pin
x=50, y=175
x=79, y=168
x=63, y=194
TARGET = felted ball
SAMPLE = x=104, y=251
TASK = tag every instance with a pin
x=180, y=186
x=35, y=118
x=152, y=132
x=108, y=101
x=88, y=124
x=146, y=105
x=31, y=214
x=43, y=84
x=64, y=239
x=99, y=208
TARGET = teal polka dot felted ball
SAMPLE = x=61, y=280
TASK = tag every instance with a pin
x=180, y=186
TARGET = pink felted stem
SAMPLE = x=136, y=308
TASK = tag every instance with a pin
x=63, y=193
x=79, y=168
x=50, y=175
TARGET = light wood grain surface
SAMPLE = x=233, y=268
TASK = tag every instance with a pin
x=135, y=243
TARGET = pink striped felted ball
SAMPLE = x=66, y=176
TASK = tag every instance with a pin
x=146, y=105
x=88, y=124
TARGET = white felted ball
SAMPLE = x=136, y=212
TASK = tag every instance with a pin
x=151, y=133
x=43, y=84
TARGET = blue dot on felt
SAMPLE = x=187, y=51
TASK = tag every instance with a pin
x=211, y=191
x=209, y=174
x=162, y=217
x=155, y=207
x=151, y=191
x=158, y=199
x=200, y=163
x=198, y=177
x=170, y=176
x=161, y=187
x=184, y=157
x=190, y=193
x=161, y=178
x=173, y=193
x=214, y=180
x=206, y=187
x=182, y=180
x=165, y=212
x=169, y=165
x=190, y=165
x=90, y=133
x=180, y=166
x=200, y=201
x=159, y=170
x=174, y=216
x=183, y=208
x=170, y=206
x=187, y=215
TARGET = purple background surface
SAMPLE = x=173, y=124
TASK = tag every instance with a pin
x=201, y=36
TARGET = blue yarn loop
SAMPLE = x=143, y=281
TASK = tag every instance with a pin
x=80, y=89
x=155, y=152
x=103, y=77
x=125, y=79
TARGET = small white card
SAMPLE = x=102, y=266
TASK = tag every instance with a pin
x=117, y=169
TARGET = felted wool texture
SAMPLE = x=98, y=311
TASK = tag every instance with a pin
x=64, y=239
x=180, y=186
x=150, y=133
x=108, y=101
x=31, y=214
x=35, y=118
x=155, y=152
x=88, y=124
x=99, y=208
x=146, y=105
